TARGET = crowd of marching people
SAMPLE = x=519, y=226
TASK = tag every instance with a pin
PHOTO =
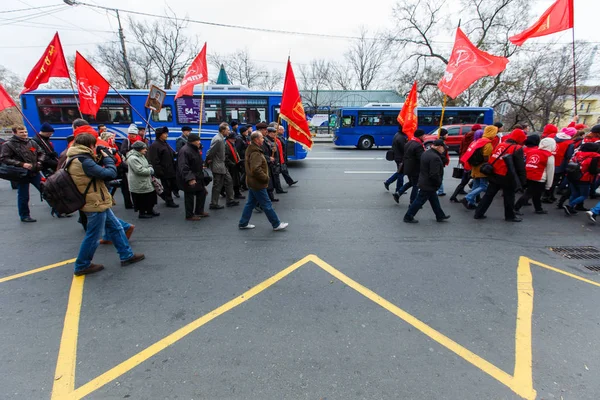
x=240, y=160
x=558, y=166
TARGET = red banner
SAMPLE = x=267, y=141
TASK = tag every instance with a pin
x=52, y=64
x=467, y=64
x=92, y=86
x=407, y=117
x=196, y=73
x=557, y=18
x=5, y=100
x=292, y=110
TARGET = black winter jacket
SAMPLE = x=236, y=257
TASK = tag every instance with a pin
x=432, y=171
x=398, y=143
x=412, y=157
x=190, y=167
x=17, y=151
x=162, y=158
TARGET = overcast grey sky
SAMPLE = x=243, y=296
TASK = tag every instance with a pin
x=25, y=34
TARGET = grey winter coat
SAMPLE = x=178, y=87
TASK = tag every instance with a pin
x=216, y=155
x=139, y=173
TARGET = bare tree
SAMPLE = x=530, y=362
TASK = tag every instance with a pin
x=13, y=85
x=367, y=57
x=342, y=77
x=109, y=56
x=242, y=70
x=314, y=78
x=488, y=24
x=166, y=46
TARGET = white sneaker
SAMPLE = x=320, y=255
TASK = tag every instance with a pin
x=591, y=215
x=281, y=226
x=249, y=226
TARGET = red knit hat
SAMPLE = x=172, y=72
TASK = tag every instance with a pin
x=85, y=129
x=518, y=135
x=549, y=129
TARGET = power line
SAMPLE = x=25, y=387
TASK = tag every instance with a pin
x=30, y=8
x=63, y=45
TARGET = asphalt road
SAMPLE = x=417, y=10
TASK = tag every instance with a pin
x=379, y=310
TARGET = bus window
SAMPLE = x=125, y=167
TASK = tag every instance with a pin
x=165, y=115
x=348, y=121
x=63, y=109
x=246, y=110
x=377, y=118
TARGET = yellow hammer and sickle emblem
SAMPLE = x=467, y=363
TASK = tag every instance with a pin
x=299, y=110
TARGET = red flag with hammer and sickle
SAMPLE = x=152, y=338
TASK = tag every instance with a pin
x=292, y=110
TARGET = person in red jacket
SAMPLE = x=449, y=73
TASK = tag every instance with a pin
x=550, y=131
x=581, y=178
x=464, y=145
x=539, y=167
x=502, y=178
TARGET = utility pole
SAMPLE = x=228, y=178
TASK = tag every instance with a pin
x=124, y=53
x=121, y=37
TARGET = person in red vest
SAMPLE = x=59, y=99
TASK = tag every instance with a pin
x=504, y=179
x=550, y=131
x=480, y=180
x=580, y=179
x=539, y=167
x=564, y=152
x=464, y=145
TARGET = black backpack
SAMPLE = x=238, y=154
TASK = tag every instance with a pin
x=476, y=158
x=62, y=193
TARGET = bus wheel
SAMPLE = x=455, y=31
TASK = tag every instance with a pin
x=365, y=143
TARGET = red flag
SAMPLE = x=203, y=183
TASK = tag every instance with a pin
x=557, y=18
x=52, y=64
x=407, y=117
x=292, y=110
x=196, y=73
x=5, y=100
x=468, y=64
x=92, y=87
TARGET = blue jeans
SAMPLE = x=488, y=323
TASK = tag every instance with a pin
x=579, y=192
x=480, y=185
x=23, y=195
x=441, y=189
x=412, y=183
x=259, y=197
x=596, y=209
x=124, y=224
x=398, y=178
x=96, y=221
x=421, y=199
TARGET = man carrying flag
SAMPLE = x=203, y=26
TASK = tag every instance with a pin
x=292, y=110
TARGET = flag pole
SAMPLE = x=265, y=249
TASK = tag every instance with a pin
x=574, y=75
x=132, y=107
x=75, y=95
x=443, y=112
x=26, y=119
x=201, y=112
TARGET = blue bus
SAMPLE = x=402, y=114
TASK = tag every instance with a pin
x=376, y=125
x=221, y=103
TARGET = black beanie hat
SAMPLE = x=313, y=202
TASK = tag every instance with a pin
x=595, y=129
x=532, y=140
x=419, y=132
x=193, y=137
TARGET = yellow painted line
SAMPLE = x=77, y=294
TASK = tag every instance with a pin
x=525, y=391
x=523, y=374
x=64, y=377
x=560, y=271
x=35, y=271
x=162, y=344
